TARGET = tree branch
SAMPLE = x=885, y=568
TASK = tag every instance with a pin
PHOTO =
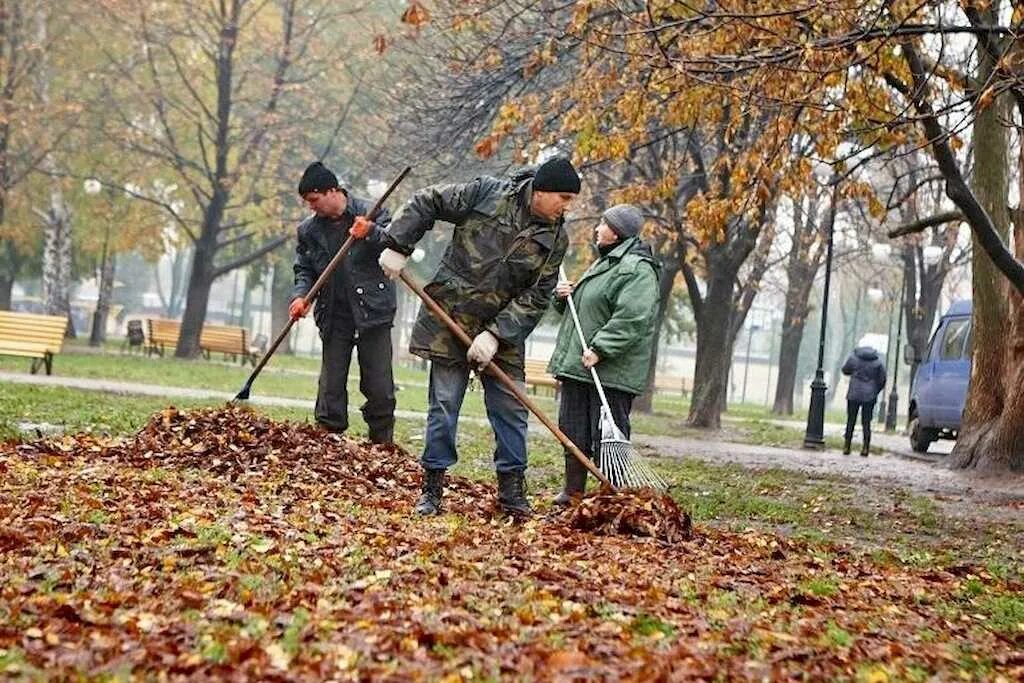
x=925, y=223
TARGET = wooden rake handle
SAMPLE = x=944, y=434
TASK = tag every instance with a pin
x=503, y=377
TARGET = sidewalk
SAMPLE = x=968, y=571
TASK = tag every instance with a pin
x=894, y=442
x=135, y=388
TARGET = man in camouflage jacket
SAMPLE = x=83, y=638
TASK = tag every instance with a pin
x=495, y=280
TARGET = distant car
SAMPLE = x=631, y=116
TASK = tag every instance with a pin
x=940, y=386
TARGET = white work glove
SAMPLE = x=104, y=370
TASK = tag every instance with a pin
x=483, y=348
x=391, y=262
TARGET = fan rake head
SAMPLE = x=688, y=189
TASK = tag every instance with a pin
x=624, y=467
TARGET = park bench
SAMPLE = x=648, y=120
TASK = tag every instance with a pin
x=161, y=334
x=669, y=384
x=537, y=375
x=34, y=336
x=227, y=339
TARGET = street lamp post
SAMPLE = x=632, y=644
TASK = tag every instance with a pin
x=814, y=435
x=877, y=296
x=890, y=416
x=746, y=366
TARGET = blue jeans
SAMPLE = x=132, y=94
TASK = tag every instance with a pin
x=507, y=416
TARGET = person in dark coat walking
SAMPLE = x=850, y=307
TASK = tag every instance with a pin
x=495, y=280
x=356, y=307
x=867, y=379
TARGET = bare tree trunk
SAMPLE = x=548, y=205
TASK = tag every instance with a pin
x=714, y=350
x=280, y=297
x=992, y=435
x=56, y=217
x=98, y=335
x=57, y=258
x=10, y=264
x=200, y=282
x=644, y=403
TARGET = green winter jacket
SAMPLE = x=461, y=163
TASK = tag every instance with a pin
x=617, y=301
x=498, y=271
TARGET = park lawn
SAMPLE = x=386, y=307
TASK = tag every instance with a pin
x=296, y=378
x=173, y=566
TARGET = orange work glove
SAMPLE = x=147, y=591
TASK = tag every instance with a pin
x=361, y=227
x=297, y=308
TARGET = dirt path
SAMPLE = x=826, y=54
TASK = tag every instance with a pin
x=963, y=494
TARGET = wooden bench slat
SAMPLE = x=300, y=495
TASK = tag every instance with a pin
x=32, y=335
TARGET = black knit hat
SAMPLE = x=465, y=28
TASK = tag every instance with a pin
x=317, y=178
x=557, y=175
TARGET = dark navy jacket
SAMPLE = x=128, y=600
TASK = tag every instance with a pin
x=358, y=283
x=867, y=375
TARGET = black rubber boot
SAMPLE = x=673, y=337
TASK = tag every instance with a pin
x=575, y=481
x=846, y=446
x=866, y=447
x=512, y=495
x=430, y=499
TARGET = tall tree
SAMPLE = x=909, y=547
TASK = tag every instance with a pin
x=218, y=94
x=806, y=251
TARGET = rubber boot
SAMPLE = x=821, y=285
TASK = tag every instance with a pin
x=430, y=499
x=846, y=445
x=866, y=447
x=575, y=481
x=512, y=495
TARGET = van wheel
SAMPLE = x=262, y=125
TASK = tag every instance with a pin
x=920, y=437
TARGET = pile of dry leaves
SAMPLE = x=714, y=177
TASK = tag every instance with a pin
x=221, y=545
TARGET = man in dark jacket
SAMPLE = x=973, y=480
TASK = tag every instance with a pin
x=867, y=379
x=495, y=280
x=355, y=308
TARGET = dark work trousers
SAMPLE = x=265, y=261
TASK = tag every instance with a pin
x=447, y=388
x=866, y=411
x=579, y=415
x=376, y=382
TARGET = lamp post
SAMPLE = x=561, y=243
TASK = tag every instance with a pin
x=882, y=253
x=876, y=296
x=746, y=365
x=814, y=435
x=890, y=416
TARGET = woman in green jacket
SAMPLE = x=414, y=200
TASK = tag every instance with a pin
x=617, y=301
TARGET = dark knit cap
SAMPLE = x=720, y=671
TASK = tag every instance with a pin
x=624, y=219
x=317, y=178
x=557, y=175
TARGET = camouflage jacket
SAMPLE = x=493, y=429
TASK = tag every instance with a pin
x=497, y=273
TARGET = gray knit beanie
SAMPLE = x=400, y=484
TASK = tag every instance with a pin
x=624, y=219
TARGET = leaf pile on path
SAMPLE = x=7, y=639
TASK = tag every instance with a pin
x=632, y=512
x=220, y=544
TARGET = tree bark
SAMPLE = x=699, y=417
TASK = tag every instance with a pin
x=11, y=262
x=801, y=269
x=644, y=403
x=714, y=348
x=280, y=297
x=98, y=334
x=992, y=433
x=57, y=259
x=200, y=282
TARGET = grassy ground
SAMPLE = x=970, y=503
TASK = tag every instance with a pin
x=295, y=377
